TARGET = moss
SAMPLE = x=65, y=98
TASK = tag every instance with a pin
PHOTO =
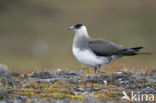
x=58, y=89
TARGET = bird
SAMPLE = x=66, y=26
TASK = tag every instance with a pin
x=94, y=52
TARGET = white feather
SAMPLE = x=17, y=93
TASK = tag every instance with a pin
x=88, y=58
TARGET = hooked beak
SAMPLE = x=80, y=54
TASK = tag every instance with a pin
x=71, y=28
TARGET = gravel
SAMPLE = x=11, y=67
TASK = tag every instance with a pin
x=140, y=82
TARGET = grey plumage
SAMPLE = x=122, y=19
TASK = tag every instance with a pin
x=97, y=52
x=103, y=47
x=81, y=42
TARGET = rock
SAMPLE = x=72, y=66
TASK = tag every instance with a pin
x=4, y=74
x=118, y=73
x=81, y=85
x=67, y=71
x=17, y=101
x=3, y=101
x=66, y=100
x=42, y=75
x=105, y=82
x=151, y=78
x=38, y=101
x=15, y=74
x=78, y=72
x=4, y=95
x=148, y=90
x=3, y=67
x=58, y=70
x=80, y=89
x=139, y=78
x=96, y=89
x=130, y=72
x=91, y=99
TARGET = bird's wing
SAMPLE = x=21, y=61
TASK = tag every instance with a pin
x=103, y=47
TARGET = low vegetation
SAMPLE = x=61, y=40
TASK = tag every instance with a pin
x=74, y=86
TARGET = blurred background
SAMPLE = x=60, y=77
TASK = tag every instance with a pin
x=33, y=33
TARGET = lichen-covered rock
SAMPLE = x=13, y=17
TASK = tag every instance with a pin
x=74, y=86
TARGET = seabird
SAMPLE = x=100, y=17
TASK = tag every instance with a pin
x=97, y=52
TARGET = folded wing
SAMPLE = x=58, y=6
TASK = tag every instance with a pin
x=103, y=47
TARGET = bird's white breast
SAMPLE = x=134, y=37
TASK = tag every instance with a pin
x=88, y=58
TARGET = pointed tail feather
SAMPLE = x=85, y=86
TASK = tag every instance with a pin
x=145, y=53
x=131, y=51
x=137, y=48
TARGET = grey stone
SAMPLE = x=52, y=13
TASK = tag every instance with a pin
x=91, y=99
x=80, y=89
x=3, y=67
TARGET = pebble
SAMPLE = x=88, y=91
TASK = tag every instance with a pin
x=127, y=80
x=119, y=72
x=3, y=67
x=92, y=99
x=148, y=90
x=80, y=89
x=105, y=82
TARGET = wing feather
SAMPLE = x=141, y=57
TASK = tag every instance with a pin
x=103, y=47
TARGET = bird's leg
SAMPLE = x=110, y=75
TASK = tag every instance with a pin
x=95, y=69
x=98, y=69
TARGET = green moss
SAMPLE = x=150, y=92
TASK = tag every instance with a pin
x=60, y=90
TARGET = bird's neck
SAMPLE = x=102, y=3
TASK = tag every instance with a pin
x=81, y=32
x=80, y=36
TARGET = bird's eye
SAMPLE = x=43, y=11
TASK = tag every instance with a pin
x=77, y=26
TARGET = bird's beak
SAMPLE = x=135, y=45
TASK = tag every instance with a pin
x=71, y=28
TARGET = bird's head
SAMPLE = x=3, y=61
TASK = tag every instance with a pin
x=78, y=28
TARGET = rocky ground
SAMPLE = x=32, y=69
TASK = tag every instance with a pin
x=65, y=86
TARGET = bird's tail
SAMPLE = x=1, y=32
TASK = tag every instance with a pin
x=131, y=51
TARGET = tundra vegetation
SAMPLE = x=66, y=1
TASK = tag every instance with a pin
x=79, y=85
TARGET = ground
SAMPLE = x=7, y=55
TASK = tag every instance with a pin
x=75, y=86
